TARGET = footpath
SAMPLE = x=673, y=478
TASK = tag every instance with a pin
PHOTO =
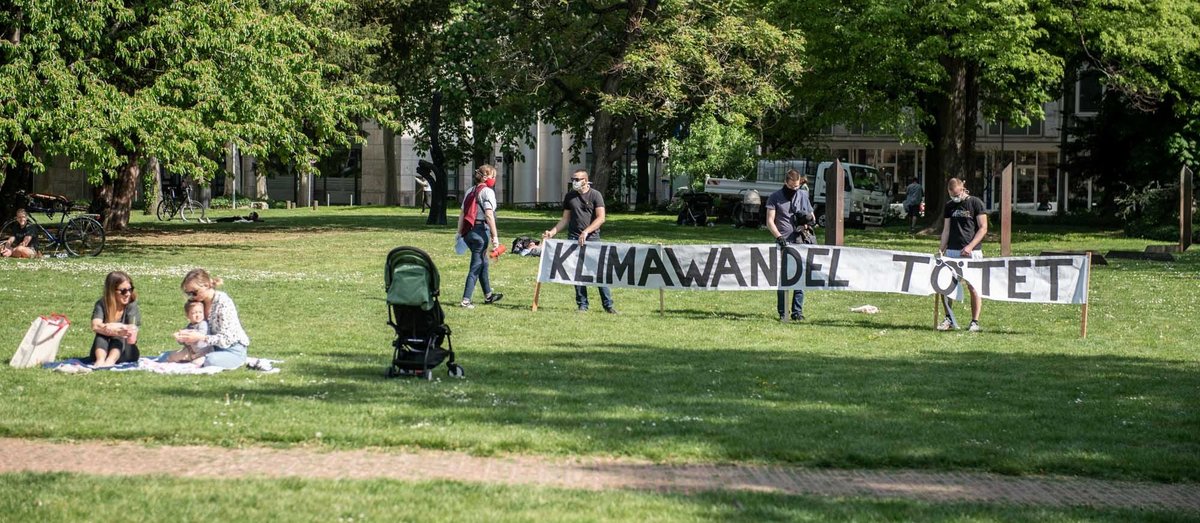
x=128, y=459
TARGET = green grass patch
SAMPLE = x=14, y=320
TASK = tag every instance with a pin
x=62, y=497
x=714, y=379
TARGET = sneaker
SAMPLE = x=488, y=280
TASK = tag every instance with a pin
x=466, y=304
x=611, y=310
x=797, y=316
x=947, y=325
x=783, y=318
x=974, y=327
x=581, y=309
x=493, y=298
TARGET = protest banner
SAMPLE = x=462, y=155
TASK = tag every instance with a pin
x=762, y=267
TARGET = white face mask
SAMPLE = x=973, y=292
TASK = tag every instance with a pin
x=578, y=185
x=957, y=199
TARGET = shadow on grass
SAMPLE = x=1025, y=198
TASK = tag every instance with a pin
x=1098, y=416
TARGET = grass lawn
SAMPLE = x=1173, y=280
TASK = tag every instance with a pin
x=715, y=379
x=60, y=497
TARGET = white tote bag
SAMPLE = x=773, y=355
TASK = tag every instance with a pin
x=41, y=341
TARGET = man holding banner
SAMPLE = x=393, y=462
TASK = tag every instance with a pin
x=963, y=229
x=583, y=214
x=788, y=212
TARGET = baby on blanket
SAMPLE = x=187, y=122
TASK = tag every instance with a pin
x=194, y=310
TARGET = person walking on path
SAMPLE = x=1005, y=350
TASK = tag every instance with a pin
x=964, y=227
x=583, y=214
x=789, y=212
x=476, y=226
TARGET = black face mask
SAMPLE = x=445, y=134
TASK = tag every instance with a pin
x=789, y=192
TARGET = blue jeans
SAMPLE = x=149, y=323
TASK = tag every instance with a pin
x=581, y=294
x=230, y=357
x=797, y=296
x=477, y=241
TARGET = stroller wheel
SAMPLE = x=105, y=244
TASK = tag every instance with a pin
x=455, y=370
x=391, y=372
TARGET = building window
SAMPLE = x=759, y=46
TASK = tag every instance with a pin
x=1089, y=92
x=1033, y=129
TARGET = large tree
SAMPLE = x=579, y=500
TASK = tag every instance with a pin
x=177, y=80
x=605, y=69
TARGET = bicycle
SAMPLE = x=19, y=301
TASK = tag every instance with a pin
x=81, y=235
x=172, y=204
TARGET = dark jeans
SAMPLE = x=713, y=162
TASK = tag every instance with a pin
x=797, y=296
x=128, y=352
x=581, y=294
x=477, y=242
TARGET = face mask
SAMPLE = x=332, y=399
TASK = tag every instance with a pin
x=490, y=182
x=788, y=192
x=578, y=185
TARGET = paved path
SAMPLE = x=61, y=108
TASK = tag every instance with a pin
x=123, y=459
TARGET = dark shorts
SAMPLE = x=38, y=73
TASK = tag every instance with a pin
x=912, y=210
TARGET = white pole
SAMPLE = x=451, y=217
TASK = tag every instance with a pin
x=327, y=199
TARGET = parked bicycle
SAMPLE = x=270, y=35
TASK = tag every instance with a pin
x=79, y=235
x=173, y=204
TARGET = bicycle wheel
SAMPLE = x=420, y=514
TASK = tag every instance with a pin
x=186, y=210
x=164, y=211
x=84, y=236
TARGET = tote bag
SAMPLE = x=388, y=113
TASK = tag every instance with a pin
x=41, y=341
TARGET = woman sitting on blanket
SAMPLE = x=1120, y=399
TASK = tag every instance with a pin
x=192, y=352
x=226, y=339
x=115, y=320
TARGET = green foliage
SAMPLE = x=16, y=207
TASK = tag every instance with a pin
x=712, y=150
x=1152, y=211
x=101, y=82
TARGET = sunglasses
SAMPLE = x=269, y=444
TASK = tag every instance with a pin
x=125, y=292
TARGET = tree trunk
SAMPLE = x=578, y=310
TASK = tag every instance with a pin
x=437, y=208
x=303, y=183
x=15, y=179
x=390, y=193
x=951, y=149
x=482, y=147
x=154, y=194
x=643, y=169
x=118, y=194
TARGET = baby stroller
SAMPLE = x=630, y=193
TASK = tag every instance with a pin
x=412, y=284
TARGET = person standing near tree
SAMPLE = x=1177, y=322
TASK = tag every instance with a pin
x=963, y=229
x=788, y=212
x=425, y=195
x=914, y=194
x=583, y=214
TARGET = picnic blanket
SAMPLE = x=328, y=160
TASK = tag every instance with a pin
x=158, y=365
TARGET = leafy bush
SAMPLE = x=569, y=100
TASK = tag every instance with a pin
x=1152, y=212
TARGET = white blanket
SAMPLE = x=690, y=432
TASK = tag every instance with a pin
x=158, y=365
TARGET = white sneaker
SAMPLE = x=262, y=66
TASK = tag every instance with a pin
x=947, y=325
x=466, y=304
x=974, y=327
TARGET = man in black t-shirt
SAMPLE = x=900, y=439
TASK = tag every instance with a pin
x=583, y=214
x=24, y=240
x=963, y=229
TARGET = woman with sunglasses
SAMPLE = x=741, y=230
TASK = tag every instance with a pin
x=226, y=338
x=115, y=320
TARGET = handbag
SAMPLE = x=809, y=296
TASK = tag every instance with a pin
x=41, y=341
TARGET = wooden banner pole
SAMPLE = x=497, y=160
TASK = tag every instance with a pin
x=1006, y=199
x=537, y=292
x=935, y=310
x=1087, y=293
x=661, y=294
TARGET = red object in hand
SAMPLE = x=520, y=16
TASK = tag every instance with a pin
x=922, y=209
x=497, y=251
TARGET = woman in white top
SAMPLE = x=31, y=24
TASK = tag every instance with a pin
x=476, y=220
x=226, y=338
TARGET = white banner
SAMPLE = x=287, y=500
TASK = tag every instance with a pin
x=761, y=267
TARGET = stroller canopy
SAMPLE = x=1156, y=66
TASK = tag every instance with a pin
x=410, y=278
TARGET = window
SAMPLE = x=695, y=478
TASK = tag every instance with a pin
x=1033, y=129
x=1089, y=92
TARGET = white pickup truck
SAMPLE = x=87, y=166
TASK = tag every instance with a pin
x=865, y=197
